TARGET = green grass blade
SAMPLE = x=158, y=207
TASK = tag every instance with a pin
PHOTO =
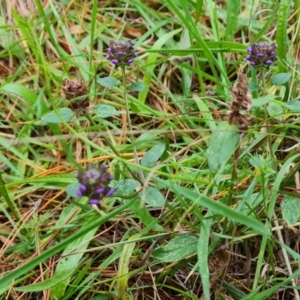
x=8, y=200
x=21, y=270
x=233, y=11
x=150, y=64
x=281, y=33
x=203, y=255
x=271, y=208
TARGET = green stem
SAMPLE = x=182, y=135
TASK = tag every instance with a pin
x=269, y=140
x=135, y=155
x=10, y=203
x=111, y=146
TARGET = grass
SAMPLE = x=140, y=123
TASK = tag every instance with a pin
x=202, y=209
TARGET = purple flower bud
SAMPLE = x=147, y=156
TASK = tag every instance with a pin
x=107, y=56
x=94, y=202
x=109, y=50
x=252, y=63
x=120, y=53
x=260, y=55
x=249, y=49
x=100, y=191
x=248, y=57
x=110, y=192
x=130, y=61
x=272, y=53
x=79, y=193
x=82, y=188
x=115, y=61
x=135, y=54
x=268, y=62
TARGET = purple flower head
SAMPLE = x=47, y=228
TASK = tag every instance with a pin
x=121, y=53
x=261, y=54
x=94, y=183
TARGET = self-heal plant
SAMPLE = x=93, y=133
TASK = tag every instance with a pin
x=94, y=184
x=262, y=54
x=122, y=54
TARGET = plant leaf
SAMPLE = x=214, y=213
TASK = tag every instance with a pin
x=293, y=105
x=105, y=111
x=65, y=114
x=48, y=283
x=107, y=82
x=152, y=156
x=179, y=248
x=221, y=146
x=137, y=87
x=262, y=100
x=290, y=209
x=153, y=197
x=20, y=91
x=281, y=78
x=126, y=186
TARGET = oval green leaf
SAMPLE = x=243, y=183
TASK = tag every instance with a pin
x=65, y=115
x=222, y=144
x=257, y=102
x=153, y=197
x=290, y=209
x=179, y=248
x=137, y=87
x=126, y=186
x=293, y=105
x=105, y=111
x=107, y=82
x=152, y=156
x=281, y=78
x=72, y=188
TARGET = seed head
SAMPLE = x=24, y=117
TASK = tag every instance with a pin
x=94, y=183
x=121, y=53
x=242, y=100
x=75, y=88
x=262, y=54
